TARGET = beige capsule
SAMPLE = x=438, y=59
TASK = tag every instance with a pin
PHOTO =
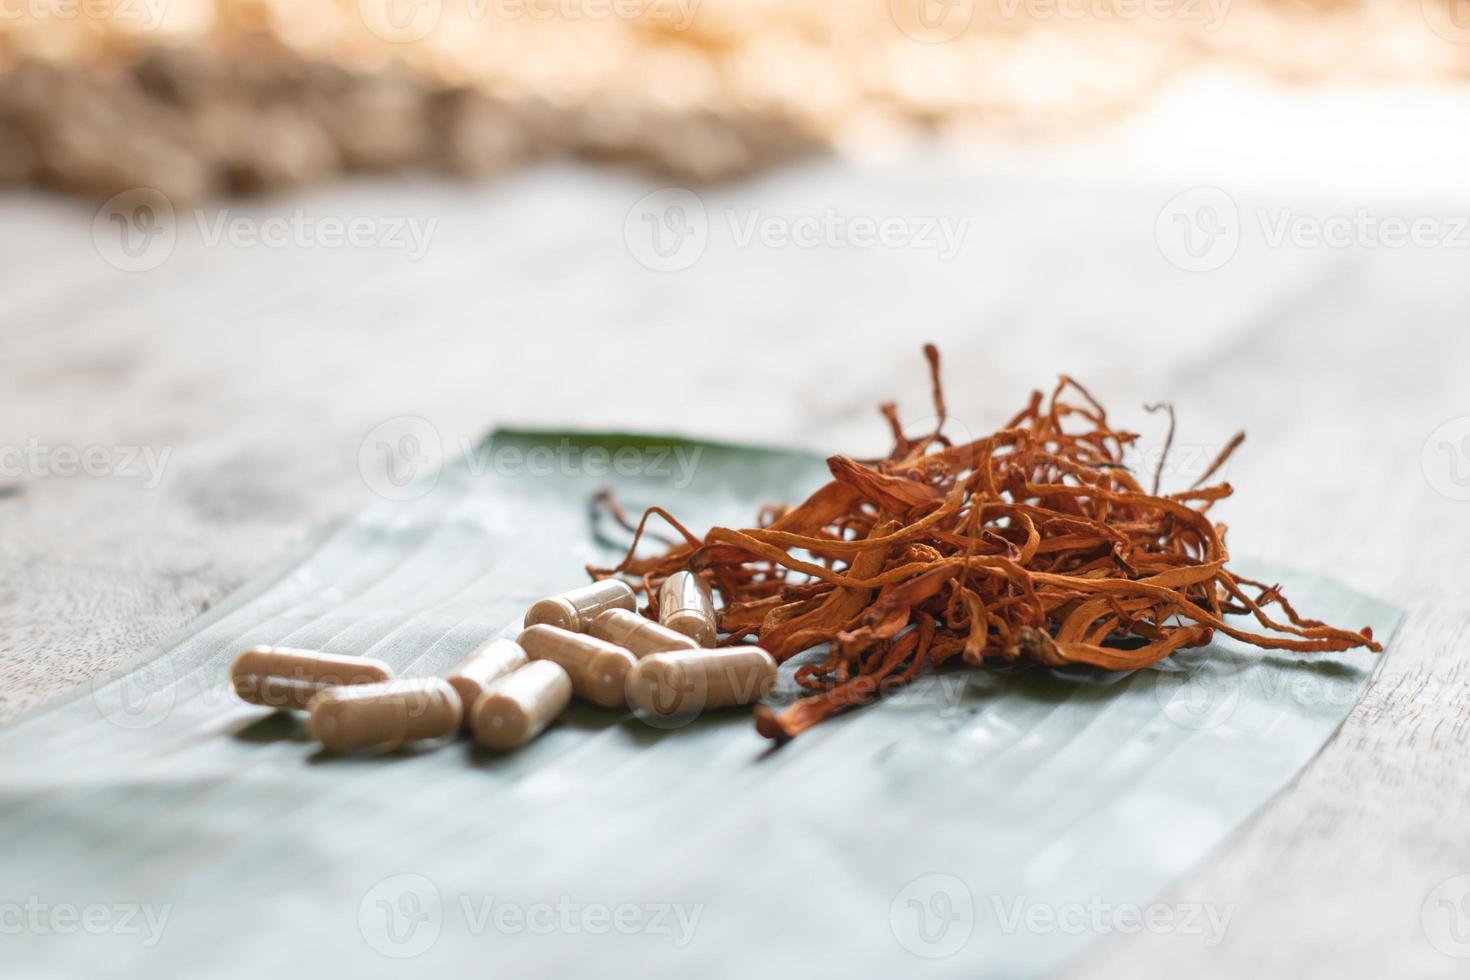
x=637, y=635
x=687, y=683
x=385, y=716
x=284, y=677
x=517, y=707
x=575, y=610
x=598, y=669
x=686, y=606
x=489, y=663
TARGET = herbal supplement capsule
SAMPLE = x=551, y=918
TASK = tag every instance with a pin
x=385, y=716
x=283, y=677
x=686, y=683
x=686, y=606
x=515, y=709
x=488, y=664
x=637, y=635
x=598, y=669
x=576, y=609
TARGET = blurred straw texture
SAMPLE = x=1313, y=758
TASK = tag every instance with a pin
x=198, y=98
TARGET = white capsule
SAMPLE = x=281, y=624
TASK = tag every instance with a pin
x=477, y=672
x=686, y=606
x=517, y=707
x=385, y=716
x=637, y=635
x=599, y=670
x=685, y=683
x=576, y=609
x=285, y=677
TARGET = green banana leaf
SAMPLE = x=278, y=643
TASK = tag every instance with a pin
x=979, y=824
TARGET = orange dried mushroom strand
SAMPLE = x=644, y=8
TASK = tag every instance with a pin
x=1034, y=542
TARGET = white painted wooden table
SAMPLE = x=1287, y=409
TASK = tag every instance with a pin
x=254, y=372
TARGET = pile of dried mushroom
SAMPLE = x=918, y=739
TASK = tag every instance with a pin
x=1034, y=542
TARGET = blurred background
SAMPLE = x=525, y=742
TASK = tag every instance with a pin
x=199, y=99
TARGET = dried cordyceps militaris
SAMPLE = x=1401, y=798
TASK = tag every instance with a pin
x=1034, y=542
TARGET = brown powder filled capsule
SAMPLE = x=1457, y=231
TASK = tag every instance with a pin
x=686, y=606
x=637, y=635
x=283, y=677
x=488, y=664
x=575, y=610
x=598, y=668
x=517, y=707
x=686, y=683
x=385, y=716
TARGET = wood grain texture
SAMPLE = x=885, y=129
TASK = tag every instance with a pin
x=261, y=370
